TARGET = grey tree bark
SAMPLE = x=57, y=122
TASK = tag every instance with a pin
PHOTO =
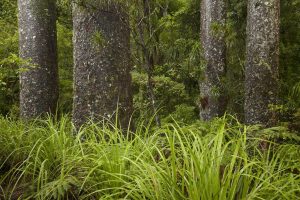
x=262, y=73
x=212, y=90
x=38, y=46
x=102, y=80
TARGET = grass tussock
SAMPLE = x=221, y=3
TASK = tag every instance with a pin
x=218, y=160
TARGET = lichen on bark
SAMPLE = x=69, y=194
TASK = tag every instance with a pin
x=102, y=81
x=212, y=90
x=261, y=72
x=37, y=43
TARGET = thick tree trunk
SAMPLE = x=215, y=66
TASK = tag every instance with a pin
x=262, y=76
x=213, y=95
x=37, y=44
x=102, y=80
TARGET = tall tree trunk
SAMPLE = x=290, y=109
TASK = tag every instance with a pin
x=102, y=80
x=262, y=74
x=213, y=95
x=37, y=44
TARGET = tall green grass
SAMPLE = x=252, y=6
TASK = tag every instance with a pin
x=217, y=160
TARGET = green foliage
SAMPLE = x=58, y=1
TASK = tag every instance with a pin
x=8, y=10
x=8, y=63
x=171, y=37
x=235, y=59
x=174, y=43
x=289, y=61
x=218, y=160
x=183, y=113
x=167, y=92
x=65, y=64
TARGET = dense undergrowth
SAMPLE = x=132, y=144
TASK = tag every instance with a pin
x=218, y=160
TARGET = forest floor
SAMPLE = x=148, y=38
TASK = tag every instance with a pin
x=222, y=159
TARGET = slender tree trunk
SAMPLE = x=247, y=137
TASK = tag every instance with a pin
x=102, y=80
x=262, y=74
x=150, y=85
x=37, y=45
x=213, y=95
x=149, y=60
x=143, y=35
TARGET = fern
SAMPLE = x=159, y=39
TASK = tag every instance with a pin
x=274, y=133
x=295, y=92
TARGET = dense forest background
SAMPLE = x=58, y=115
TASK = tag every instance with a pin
x=153, y=99
x=175, y=49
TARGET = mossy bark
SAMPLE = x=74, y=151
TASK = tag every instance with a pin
x=262, y=73
x=212, y=90
x=38, y=46
x=102, y=80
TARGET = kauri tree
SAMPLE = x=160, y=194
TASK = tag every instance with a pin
x=262, y=62
x=38, y=49
x=102, y=80
x=212, y=91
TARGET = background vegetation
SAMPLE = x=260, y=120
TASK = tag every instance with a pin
x=177, y=50
x=184, y=158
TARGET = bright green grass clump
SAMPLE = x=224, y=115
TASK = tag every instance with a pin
x=219, y=160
